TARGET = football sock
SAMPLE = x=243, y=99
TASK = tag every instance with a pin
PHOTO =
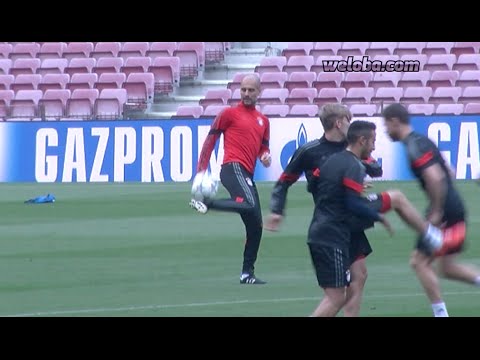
x=440, y=310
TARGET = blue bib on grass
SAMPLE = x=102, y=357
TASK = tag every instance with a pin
x=49, y=198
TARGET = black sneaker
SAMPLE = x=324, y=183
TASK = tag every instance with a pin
x=251, y=279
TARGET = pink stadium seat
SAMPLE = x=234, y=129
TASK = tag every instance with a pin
x=465, y=48
x=304, y=110
x=52, y=105
x=109, y=105
x=467, y=62
x=273, y=110
x=468, y=78
x=272, y=80
x=328, y=95
x=301, y=96
x=416, y=94
x=5, y=65
x=216, y=97
x=192, y=58
x=80, y=105
x=273, y=96
x=359, y=95
x=53, y=81
x=52, y=66
x=80, y=65
x=447, y=94
x=25, y=66
x=437, y=48
x=194, y=111
x=353, y=48
x=300, y=79
x=271, y=64
x=110, y=81
x=136, y=64
x=324, y=63
x=449, y=109
x=413, y=60
x=163, y=49
x=440, y=62
x=82, y=81
x=441, y=78
x=214, y=110
x=140, y=89
x=106, y=49
x=328, y=80
x=470, y=108
x=24, y=51
x=363, y=109
x=409, y=48
x=421, y=109
x=6, y=81
x=26, y=82
x=385, y=79
x=298, y=63
x=78, y=50
x=51, y=50
x=381, y=48
x=410, y=79
x=5, y=50
x=25, y=104
x=235, y=99
x=325, y=48
x=384, y=58
x=5, y=97
x=166, y=71
x=470, y=94
x=297, y=49
x=388, y=94
x=214, y=52
x=108, y=65
x=356, y=79
x=130, y=49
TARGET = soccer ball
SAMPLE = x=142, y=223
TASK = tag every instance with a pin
x=204, y=186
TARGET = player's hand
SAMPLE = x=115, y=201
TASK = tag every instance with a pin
x=273, y=222
x=266, y=159
x=386, y=224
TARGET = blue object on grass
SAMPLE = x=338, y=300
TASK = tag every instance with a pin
x=49, y=198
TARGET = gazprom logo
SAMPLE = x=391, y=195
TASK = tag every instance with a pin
x=291, y=146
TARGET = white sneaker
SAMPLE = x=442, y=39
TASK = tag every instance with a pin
x=199, y=206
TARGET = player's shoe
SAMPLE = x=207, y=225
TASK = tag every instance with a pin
x=199, y=206
x=251, y=279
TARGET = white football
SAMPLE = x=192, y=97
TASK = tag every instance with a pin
x=204, y=186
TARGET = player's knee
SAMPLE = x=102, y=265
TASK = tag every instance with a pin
x=397, y=198
x=418, y=261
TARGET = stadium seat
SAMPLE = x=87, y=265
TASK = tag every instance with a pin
x=440, y=62
x=297, y=49
x=298, y=63
x=356, y=80
x=234, y=100
x=166, y=71
x=470, y=94
x=271, y=64
x=214, y=110
x=5, y=50
x=136, y=64
x=465, y=48
x=53, y=81
x=192, y=58
x=276, y=110
x=301, y=96
x=110, y=81
x=216, y=97
x=328, y=80
x=24, y=51
x=52, y=66
x=441, y=78
x=449, y=109
x=467, y=62
x=272, y=80
x=5, y=65
x=328, y=95
x=161, y=49
x=359, y=95
x=325, y=48
x=80, y=105
x=25, y=66
x=51, y=50
x=447, y=94
x=409, y=48
x=106, y=49
x=272, y=96
x=140, y=89
x=6, y=81
x=109, y=105
x=53, y=103
x=410, y=79
x=414, y=60
x=108, y=65
x=131, y=49
x=388, y=94
x=189, y=111
x=416, y=94
x=24, y=106
x=353, y=48
x=300, y=79
x=80, y=65
x=381, y=48
x=421, y=109
x=5, y=97
x=78, y=50
x=82, y=81
x=385, y=79
x=470, y=108
x=26, y=82
x=214, y=52
x=363, y=109
x=324, y=63
x=468, y=78
x=304, y=110
x=432, y=48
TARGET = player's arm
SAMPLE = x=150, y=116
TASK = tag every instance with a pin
x=218, y=126
x=264, y=153
x=372, y=167
x=278, y=199
x=423, y=160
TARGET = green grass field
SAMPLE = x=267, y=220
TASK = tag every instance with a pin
x=139, y=250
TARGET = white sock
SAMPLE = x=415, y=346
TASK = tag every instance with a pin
x=434, y=235
x=477, y=281
x=440, y=309
x=244, y=275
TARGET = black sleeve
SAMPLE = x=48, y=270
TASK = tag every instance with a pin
x=292, y=172
x=357, y=206
x=421, y=153
x=372, y=167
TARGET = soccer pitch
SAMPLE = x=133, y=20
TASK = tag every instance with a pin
x=139, y=250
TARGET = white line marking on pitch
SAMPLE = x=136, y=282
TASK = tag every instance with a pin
x=214, y=303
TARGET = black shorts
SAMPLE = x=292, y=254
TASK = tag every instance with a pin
x=379, y=202
x=331, y=264
x=359, y=246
